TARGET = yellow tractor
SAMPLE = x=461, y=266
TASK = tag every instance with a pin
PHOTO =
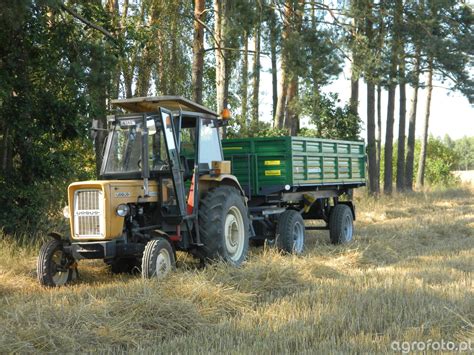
x=163, y=171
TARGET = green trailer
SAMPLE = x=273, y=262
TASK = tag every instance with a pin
x=268, y=165
x=291, y=179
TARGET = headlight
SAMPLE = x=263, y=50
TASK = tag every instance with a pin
x=122, y=210
x=66, y=212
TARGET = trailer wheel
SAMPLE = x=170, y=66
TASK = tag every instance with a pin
x=290, y=232
x=224, y=225
x=54, y=266
x=158, y=259
x=341, y=224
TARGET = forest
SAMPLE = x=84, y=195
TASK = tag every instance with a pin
x=62, y=61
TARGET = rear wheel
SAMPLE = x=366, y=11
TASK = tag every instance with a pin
x=55, y=267
x=224, y=225
x=158, y=259
x=341, y=224
x=290, y=232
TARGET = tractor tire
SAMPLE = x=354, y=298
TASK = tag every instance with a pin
x=54, y=266
x=224, y=225
x=290, y=232
x=158, y=259
x=341, y=226
x=125, y=266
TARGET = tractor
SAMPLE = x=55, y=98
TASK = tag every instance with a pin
x=164, y=186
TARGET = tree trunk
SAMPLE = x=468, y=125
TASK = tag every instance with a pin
x=114, y=11
x=388, y=156
x=354, y=100
x=256, y=75
x=245, y=79
x=273, y=57
x=219, y=26
x=401, y=128
x=6, y=149
x=371, y=144
x=281, y=104
x=282, y=99
x=378, y=135
x=412, y=126
x=97, y=88
x=420, y=179
x=198, y=51
x=380, y=46
x=144, y=73
x=292, y=119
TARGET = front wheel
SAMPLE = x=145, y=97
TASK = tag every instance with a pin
x=55, y=267
x=158, y=259
x=224, y=225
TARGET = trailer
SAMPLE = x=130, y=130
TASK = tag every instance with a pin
x=291, y=179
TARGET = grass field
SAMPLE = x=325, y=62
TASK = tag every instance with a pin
x=408, y=276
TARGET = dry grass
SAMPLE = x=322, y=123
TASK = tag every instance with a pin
x=407, y=277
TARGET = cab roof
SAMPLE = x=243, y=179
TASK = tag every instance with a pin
x=172, y=103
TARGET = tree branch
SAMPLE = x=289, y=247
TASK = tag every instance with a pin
x=211, y=33
x=234, y=49
x=88, y=23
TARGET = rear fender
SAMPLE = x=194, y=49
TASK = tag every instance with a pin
x=207, y=182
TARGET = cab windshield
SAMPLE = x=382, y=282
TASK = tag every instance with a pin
x=124, y=154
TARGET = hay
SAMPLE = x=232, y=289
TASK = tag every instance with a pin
x=407, y=277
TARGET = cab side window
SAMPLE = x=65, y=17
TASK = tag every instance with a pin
x=209, y=147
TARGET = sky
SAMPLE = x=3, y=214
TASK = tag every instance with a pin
x=451, y=112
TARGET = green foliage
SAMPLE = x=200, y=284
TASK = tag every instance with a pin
x=464, y=148
x=441, y=160
x=49, y=84
x=258, y=129
x=329, y=118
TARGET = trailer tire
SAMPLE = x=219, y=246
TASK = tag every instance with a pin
x=51, y=257
x=224, y=226
x=290, y=232
x=341, y=226
x=158, y=259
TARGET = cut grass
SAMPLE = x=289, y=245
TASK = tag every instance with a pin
x=408, y=276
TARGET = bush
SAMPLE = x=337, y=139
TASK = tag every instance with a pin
x=441, y=159
x=35, y=207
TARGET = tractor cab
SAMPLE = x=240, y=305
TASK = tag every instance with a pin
x=166, y=139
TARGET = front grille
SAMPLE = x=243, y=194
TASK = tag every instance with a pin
x=88, y=213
